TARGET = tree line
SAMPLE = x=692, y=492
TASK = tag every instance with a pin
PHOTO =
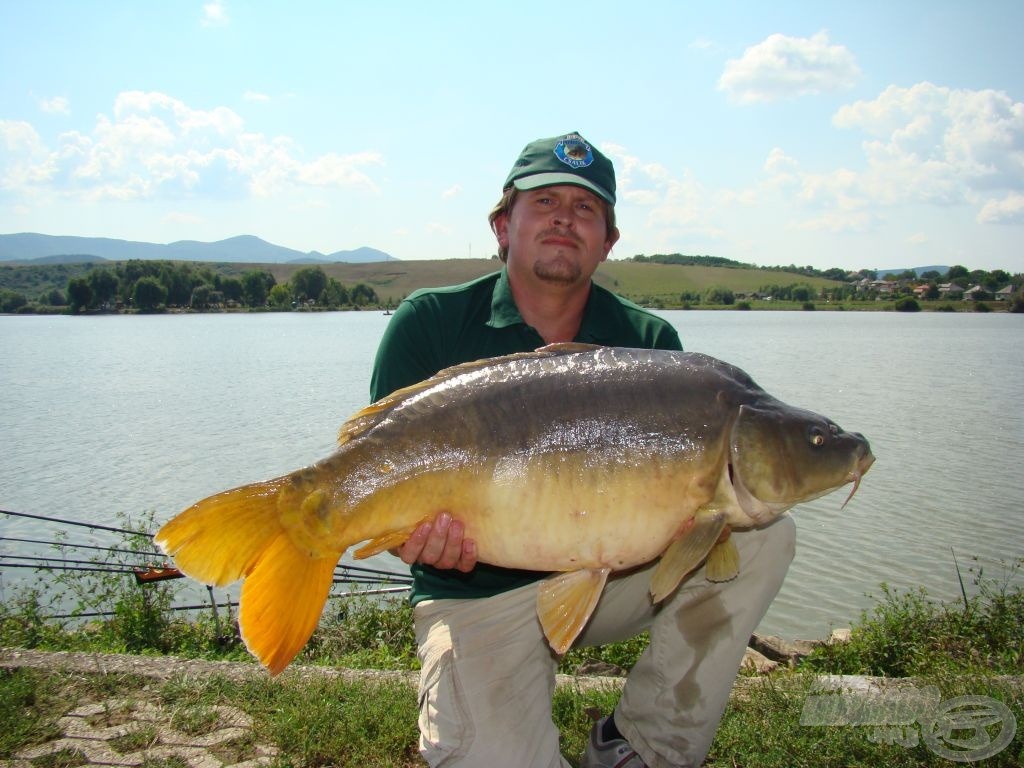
x=960, y=275
x=154, y=286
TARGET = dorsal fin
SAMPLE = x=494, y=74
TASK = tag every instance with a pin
x=376, y=412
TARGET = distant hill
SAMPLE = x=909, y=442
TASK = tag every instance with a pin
x=30, y=247
x=884, y=273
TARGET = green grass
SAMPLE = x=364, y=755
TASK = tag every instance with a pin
x=328, y=721
x=907, y=634
x=969, y=647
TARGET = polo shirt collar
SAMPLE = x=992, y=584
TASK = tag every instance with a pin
x=596, y=327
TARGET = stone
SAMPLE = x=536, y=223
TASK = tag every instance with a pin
x=757, y=663
x=841, y=635
x=783, y=651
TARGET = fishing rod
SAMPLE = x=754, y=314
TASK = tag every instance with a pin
x=64, y=561
x=151, y=573
x=90, y=614
x=72, y=545
x=370, y=571
x=360, y=568
x=97, y=526
x=405, y=584
x=228, y=604
x=94, y=526
x=80, y=569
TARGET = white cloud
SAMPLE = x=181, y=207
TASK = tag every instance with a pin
x=58, y=105
x=1009, y=210
x=451, y=192
x=255, y=96
x=215, y=14
x=155, y=146
x=784, y=67
x=922, y=146
x=968, y=138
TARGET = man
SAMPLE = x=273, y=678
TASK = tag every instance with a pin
x=487, y=670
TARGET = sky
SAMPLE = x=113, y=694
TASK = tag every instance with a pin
x=832, y=134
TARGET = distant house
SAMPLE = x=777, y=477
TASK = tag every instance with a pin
x=950, y=291
x=976, y=293
x=1004, y=294
x=883, y=286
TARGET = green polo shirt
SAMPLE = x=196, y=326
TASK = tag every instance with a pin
x=438, y=327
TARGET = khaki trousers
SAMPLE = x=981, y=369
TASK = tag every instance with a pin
x=488, y=674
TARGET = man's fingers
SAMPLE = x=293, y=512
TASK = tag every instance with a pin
x=440, y=543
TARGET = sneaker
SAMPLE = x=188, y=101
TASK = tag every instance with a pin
x=609, y=754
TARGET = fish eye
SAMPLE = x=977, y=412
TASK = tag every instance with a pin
x=817, y=436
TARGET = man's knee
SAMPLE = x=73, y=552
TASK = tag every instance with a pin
x=768, y=550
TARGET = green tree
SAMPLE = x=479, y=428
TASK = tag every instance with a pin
x=79, y=294
x=200, y=297
x=149, y=294
x=362, y=294
x=308, y=283
x=54, y=297
x=230, y=287
x=256, y=286
x=280, y=296
x=11, y=301
x=334, y=295
x=801, y=293
x=179, y=281
x=103, y=283
x=719, y=295
x=958, y=274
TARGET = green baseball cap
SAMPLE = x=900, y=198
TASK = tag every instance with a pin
x=568, y=159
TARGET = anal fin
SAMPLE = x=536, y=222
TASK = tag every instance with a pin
x=723, y=560
x=565, y=602
x=686, y=553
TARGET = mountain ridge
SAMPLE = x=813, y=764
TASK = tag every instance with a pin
x=33, y=247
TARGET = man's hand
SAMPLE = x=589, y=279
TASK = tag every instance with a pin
x=440, y=543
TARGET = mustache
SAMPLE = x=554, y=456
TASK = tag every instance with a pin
x=560, y=232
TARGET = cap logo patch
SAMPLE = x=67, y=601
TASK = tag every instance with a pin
x=574, y=151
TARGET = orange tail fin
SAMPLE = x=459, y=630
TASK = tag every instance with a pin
x=238, y=534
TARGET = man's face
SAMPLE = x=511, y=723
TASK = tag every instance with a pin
x=558, y=234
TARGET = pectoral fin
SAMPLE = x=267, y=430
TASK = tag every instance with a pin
x=565, y=602
x=383, y=543
x=686, y=553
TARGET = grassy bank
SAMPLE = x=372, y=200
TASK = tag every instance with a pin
x=969, y=648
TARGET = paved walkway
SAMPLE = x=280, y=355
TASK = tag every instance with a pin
x=128, y=732
x=136, y=729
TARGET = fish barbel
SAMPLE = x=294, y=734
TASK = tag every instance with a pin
x=573, y=459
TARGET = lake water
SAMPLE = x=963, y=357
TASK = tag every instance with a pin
x=102, y=417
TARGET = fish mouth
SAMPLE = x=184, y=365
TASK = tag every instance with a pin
x=760, y=511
